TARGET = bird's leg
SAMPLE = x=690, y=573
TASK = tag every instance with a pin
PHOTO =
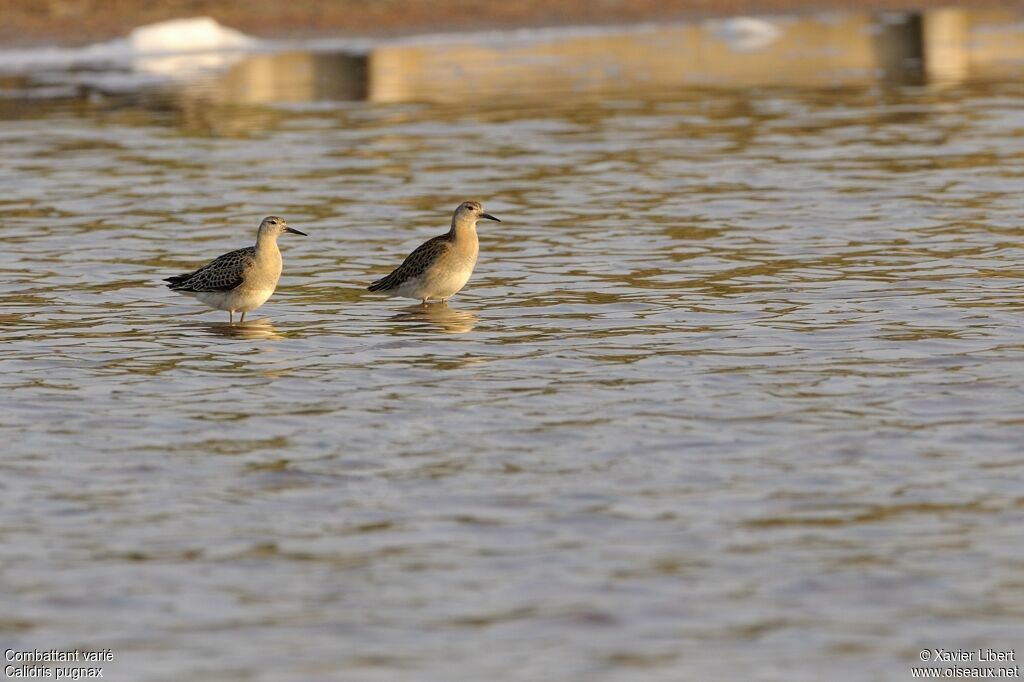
x=243, y=317
x=423, y=302
x=444, y=301
x=231, y=317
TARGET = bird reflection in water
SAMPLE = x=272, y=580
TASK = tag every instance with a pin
x=250, y=330
x=444, y=318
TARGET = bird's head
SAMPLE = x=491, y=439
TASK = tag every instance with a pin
x=272, y=226
x=471, y=212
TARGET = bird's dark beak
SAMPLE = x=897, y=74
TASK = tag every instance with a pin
x=489, y=217
x=294, y=231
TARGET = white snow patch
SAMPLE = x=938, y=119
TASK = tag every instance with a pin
x=198, y=34
x=746, y=34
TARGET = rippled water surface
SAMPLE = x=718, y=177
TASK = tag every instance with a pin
x=734, y=392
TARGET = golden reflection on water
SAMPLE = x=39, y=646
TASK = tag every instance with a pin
x=442, y=317
x=250, y=330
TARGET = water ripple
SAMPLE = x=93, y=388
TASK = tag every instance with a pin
x=737, y=373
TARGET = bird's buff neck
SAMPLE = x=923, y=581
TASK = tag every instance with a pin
x=266, y=240
x=463, y=229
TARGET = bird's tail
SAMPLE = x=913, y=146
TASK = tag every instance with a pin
x=176, y=280
x=380, y=284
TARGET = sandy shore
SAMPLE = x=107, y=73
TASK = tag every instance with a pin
x=76, y=22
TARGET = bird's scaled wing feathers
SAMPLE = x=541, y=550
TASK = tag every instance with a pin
x=221, y=274
x=415, y=264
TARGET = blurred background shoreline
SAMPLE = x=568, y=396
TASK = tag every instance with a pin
x=203, y=63
x=29, y=23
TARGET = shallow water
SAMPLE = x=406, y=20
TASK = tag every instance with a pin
x=734, y=393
